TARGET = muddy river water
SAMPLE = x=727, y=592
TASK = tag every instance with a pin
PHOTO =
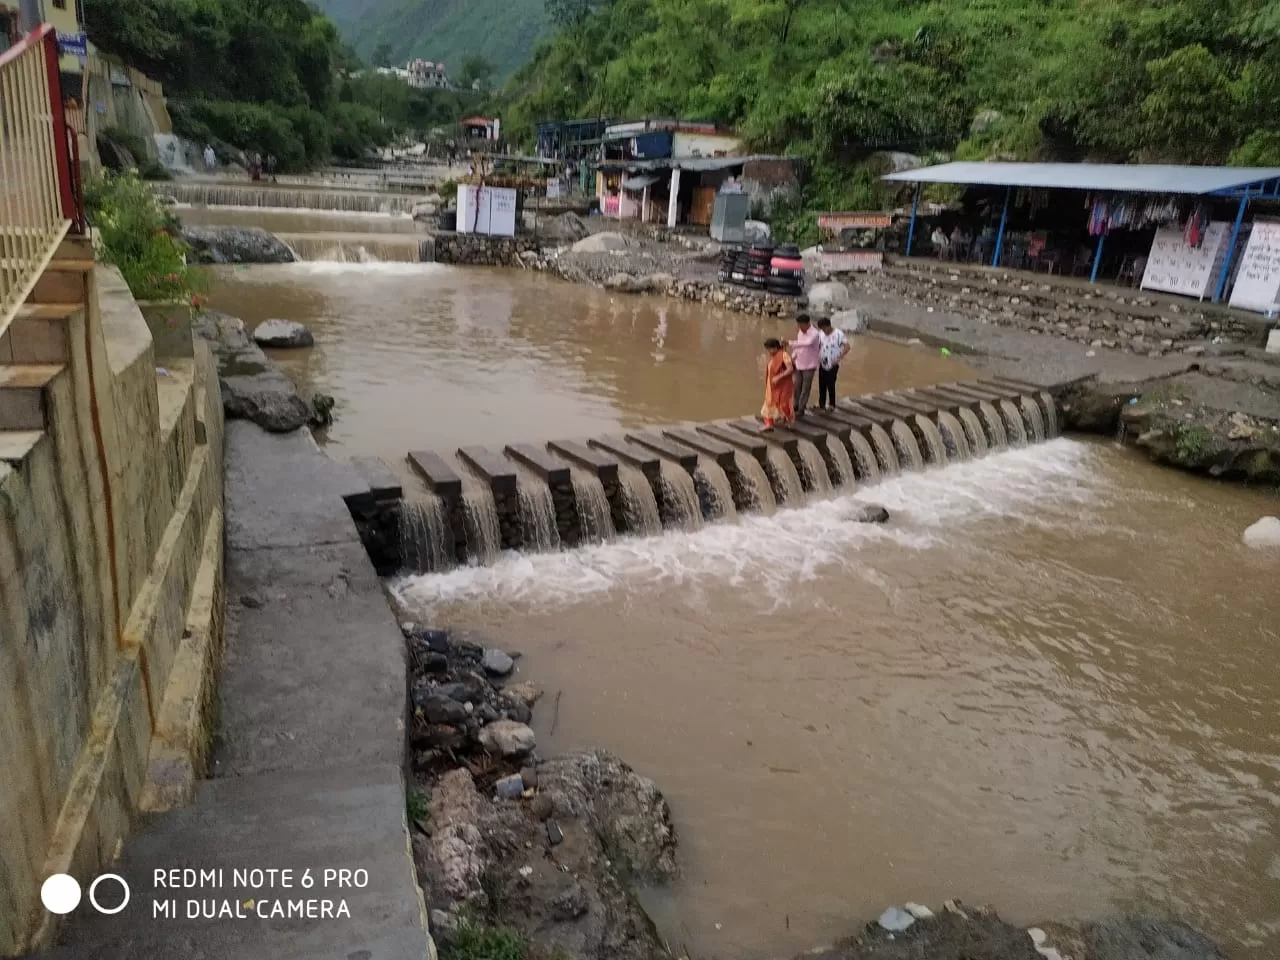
x=1048, y=684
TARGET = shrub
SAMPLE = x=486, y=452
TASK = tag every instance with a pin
x=477, y=941
x=138, y=235
x=266, y=128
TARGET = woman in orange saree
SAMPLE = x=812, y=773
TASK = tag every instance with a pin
x=778, y=385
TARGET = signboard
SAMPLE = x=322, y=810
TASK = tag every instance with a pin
x=73, y=44
x=487, y=210
x=1258, y=281
x=553, y=188
x=835, y=222
x=853, y=261
x=1176, y=267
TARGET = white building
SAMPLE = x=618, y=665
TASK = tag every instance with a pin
x=425, y=75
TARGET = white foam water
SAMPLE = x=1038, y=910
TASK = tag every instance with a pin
x=770, y=552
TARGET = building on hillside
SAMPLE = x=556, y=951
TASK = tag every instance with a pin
x=662, y=138
x=67, y=18
x=487, y=129
x=425, y=75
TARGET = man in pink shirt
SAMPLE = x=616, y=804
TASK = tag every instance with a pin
x=805, y=352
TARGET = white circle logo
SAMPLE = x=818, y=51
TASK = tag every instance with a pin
x=60, y=894
x=93, y=890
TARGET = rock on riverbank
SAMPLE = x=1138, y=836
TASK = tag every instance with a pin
x=212, y=245
x=543, y=846
x=253, y=388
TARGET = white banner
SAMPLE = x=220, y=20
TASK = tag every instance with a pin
x=1258, y=281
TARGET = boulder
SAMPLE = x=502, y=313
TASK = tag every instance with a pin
x=624, y=283
x=509, y=788
x=1139, y=938
x=1263, y=533
x=253, y=388
x=235, y=245
x=868, y=513
x=566, y=228
x=507, y=738
x=526, y=693
x=850, y=321
x=757, y=231
x=831, y=295
x=497, y=663
x=282, y=333
x=601, y=243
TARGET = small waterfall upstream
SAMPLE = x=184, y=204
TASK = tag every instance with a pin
x=994, y=424
x=814, y=468
x=953, y=436
x=176, y=155
x=715, y=493
x=904, y=441
x=425, y=535
x=868, y=469
x=1013, y=424
x=639, y=506
x=1051, y=428
x=594, y=517
x=679, y=497
x=974, y=433
x=320, y=247
x=537, y=512
x=886, y=455
x=254, y=195
x=480, y=521
x=932, y=440
x=761, y=497
x=1032, y=418
x=783, y=477
x=848, y=477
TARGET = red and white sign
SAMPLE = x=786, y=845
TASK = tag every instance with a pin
x=835, y=222
x=853, y=261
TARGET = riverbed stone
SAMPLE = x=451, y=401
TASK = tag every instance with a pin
x=508, y=738
x=1142, y=938
x=253, y=387
x=214, y=245
x=524, y=692
x=895, y=920
x=1265, y=533
x=497, y=662
x=509, y=788
x=282, y=333
x=868, y=513
x=440, y=709
x=606, y=242
x=831, y=295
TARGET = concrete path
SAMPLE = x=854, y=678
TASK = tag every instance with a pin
x=308, y=752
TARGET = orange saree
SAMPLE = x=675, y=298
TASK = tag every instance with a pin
x=779, y=389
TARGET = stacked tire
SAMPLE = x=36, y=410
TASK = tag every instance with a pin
x=728, y=260
x=786, y=271
x=759, y=259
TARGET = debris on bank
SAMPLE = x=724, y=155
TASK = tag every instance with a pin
x=544, y=848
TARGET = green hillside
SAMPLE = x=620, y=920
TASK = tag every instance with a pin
x=834, y=80
x=502, y=31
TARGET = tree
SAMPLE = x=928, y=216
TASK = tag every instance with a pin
x=382, y=55
x=569, y=14
x=475, y=69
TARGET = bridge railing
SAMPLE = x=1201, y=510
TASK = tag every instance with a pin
x=40, y=197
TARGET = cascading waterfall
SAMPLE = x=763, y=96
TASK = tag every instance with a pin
x=973, y=432
x=426, y=541
x=1032, y=418
x=886, y=455
x=595, y=519
x=321, y=247
x=537, y=512
x=639, y=506
x=1013, y=424
x=814, y=468
x=761, y=495
x=868, y=469
x=174, y=153
x=904, y=441
x=1051, y=428
x=932, y=440
x=715, y=494
x=994, y=424
x=953, y=435
x=680, y=496
x=848, y=477
x=480, y=521
x=783, y=477
x=248, y=195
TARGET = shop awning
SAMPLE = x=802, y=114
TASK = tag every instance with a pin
x=637, y=184
x=1117, y=177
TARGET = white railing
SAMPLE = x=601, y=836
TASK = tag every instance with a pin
x=39, y=195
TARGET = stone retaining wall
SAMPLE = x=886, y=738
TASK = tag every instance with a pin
x=478, y=250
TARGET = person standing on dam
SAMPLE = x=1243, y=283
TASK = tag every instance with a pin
x=833, y=348
x=804, y=351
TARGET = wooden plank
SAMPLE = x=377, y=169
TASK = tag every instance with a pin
x=36, y=376
x=717, y=450
x=645, y=460
x=604, y=467
x=736, y=438
x=545, y=464
x=47, y=311
x=16, y=444
x=440, y=477
x=672, y=451
x=493, y=466
x=754, y=428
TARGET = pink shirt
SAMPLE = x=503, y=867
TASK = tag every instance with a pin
x=804, y=349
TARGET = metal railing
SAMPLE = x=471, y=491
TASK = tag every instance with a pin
x=39, y=167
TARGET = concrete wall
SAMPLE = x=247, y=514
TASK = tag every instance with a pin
x=472, y=249
x=102, y=585
x=122, y=97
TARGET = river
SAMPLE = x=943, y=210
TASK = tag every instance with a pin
x=1047, y=684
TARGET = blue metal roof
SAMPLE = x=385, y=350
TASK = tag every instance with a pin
x=1119, y=177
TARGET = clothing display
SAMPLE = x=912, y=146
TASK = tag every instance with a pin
x=1131, y=213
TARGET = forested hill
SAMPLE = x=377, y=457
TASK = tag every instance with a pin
x=1178, y=80
x=504, y=32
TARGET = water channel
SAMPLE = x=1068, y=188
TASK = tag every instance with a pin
x=1047, y=684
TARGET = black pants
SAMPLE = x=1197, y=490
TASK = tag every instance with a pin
x=827, y=386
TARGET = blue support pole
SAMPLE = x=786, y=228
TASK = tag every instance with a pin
x=1097, y=259
x=911, y=230
x=1231, y=249
x=1004, y=216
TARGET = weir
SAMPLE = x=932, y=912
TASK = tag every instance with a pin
x=566, y=493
